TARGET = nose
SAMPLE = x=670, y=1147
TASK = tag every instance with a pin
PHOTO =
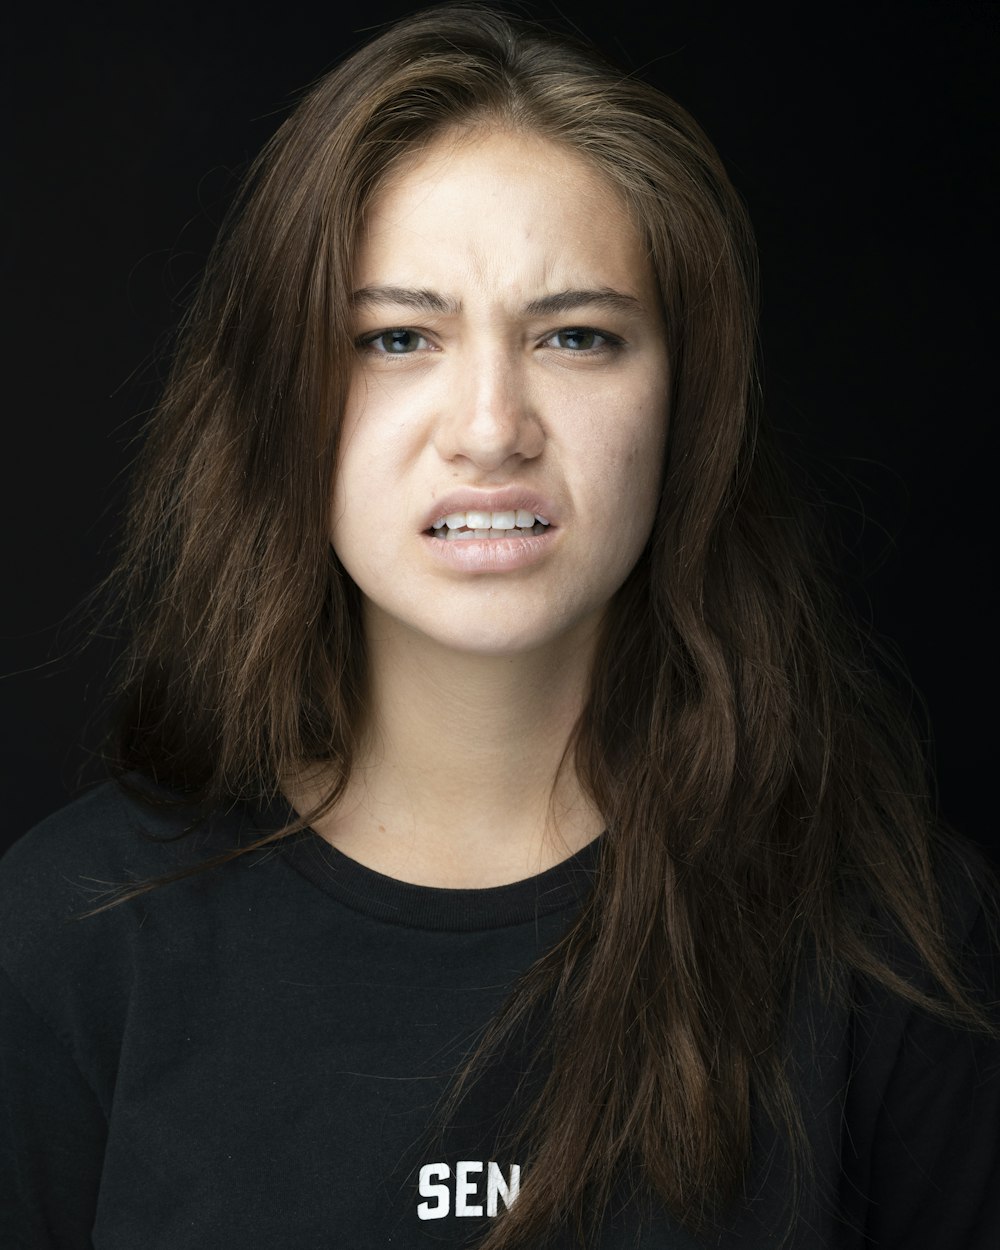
x=489, y=417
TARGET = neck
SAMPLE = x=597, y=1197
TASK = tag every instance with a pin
x=462, y=780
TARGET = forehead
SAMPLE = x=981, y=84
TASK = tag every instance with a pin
x=504, y=210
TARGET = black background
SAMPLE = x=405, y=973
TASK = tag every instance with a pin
x=860, y=135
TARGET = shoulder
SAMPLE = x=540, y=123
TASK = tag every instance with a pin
x=76, y=860
x=967, y=918
x=921, y=1156
x=967, y=884
x=970, y=905
x=959, y=922
x=106, y=837
x=56, y=867
x=90, y=821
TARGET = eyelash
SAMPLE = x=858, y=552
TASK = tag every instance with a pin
x=610, y=343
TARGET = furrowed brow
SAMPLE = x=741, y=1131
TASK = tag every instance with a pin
x=422, y=300
x=567, y=301
x=418, y=299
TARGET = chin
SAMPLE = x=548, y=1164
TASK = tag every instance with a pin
x=518, y=636
x=495, y=642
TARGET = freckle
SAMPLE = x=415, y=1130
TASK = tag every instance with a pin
x=381, y=828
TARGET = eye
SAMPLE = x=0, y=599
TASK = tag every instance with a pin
x=398, y=342
x=582, y=339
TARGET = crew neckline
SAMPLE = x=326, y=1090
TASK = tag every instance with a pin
x=432, y=907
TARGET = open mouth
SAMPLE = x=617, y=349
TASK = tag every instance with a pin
x=465, y=525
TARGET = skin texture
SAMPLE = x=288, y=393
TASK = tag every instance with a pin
x=477, y=677
x=488, y=398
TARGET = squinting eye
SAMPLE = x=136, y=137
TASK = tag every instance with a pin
x=394, y=342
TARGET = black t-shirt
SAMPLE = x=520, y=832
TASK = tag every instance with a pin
x=255, y=1057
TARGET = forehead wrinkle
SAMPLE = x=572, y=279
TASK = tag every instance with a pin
x=486, y=265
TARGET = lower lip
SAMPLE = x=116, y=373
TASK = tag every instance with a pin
x=490, y=555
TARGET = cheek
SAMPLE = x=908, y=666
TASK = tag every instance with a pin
x=628, y=448
x=353, y=490
x=648, y=443
x=369, y=496
x=640, y=459
x=341, y=494
x=358, y=480
x=341, y=488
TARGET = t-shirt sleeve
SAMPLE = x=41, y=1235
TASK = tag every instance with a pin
x=52, y=1134
x=933, y=1176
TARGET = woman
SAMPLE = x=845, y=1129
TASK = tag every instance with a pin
x=507, y=845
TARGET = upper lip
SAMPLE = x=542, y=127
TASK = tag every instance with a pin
x=510, y=499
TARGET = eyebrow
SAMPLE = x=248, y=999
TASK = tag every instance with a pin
x=422, y=300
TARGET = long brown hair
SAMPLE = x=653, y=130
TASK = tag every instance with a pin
x=756, y=775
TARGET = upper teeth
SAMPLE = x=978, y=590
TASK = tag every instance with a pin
x=521, y=519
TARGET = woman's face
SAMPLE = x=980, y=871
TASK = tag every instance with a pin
x=511, y=363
